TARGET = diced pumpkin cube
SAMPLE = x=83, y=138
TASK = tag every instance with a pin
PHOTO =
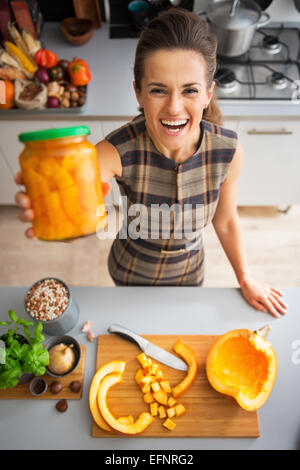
x=62, y=178
x=169, y=424
x=154, y=408
x=155, y=387
x=146, y=388
x=143, y=360
x=179, y=409
x=161, y=397
x=139, y=376
x=162, y=412
x=171, y=412
x=171, y=401
x=154, y=369
x=148, y=398
x=165, y=386
x=35, y=184
x=88, y=198
x=159, y=375
x=70, y=202
x=147, y=380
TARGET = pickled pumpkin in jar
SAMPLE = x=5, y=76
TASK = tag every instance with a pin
x=62, y=178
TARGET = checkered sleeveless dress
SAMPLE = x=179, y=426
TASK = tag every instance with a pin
x=166, y=205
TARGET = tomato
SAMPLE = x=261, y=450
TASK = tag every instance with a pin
x=79, y=72
x=46, y=58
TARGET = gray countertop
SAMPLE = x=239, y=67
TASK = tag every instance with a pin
x=110, y=93
x=160, y=310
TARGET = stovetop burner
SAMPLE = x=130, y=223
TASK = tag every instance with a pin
x=278, y=81
x=271, y=44
x=226, y=79
x=270, y=70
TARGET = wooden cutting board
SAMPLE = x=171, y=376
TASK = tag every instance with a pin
x=21, y=392
x=208, y=413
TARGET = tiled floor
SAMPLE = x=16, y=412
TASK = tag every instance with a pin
x=272, y=242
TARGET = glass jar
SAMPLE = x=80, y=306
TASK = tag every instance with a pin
x=62, y=178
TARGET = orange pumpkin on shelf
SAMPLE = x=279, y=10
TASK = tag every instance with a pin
x=7, y=91
x=242, y=364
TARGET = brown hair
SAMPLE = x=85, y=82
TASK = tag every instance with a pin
x=177, y=28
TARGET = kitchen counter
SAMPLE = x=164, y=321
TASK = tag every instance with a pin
x=111, y=94
x=160, y=310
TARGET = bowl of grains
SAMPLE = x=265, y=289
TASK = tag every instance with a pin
x=50, y=302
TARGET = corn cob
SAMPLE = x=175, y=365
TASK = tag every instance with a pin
x=32, y=44
x=20, y=56
x=16, y=38
x=7, y=59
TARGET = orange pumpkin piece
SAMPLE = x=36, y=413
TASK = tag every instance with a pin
x=161, y=397
x=8, y=90
x=114, y=366
x=190, y=358
x=142, y=422
x=169, y=424
x=242, y=364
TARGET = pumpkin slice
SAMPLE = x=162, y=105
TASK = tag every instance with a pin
x=114, y=366
x=242, y=364
x=190, y=358
x=138, y=426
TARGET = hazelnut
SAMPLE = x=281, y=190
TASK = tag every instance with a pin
x=75, y=386
x=56, y=387
x=74, y=95
x=62, y=406
x=65, y=103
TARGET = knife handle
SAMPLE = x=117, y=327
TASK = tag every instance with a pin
x=121, y=330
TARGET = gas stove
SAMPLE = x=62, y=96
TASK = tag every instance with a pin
x=270, y=70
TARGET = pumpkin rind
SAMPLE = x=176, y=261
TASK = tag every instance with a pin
x=190, y=358
x=250, y=380
x=113, y=366
x=141, y=423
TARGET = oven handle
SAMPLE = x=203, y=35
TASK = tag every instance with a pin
x=270, y=132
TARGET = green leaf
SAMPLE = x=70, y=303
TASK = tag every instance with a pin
x=13, y=316
x=38, y=329
x=23, y=322
x=15, y=349
x=5, y=322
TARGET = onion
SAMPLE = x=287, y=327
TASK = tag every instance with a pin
x=42, y=75
x=53, y=102
x=62, y=358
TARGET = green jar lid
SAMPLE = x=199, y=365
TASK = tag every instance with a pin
x=54, y=133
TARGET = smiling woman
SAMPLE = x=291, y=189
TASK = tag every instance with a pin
x=176, y=166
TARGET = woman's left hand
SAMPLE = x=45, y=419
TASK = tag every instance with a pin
x=263, y=297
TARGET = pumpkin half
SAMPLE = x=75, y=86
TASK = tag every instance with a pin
x=243, y=365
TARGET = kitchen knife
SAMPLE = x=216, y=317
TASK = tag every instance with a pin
x=150, y=349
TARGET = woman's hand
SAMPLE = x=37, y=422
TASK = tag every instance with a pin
x=263, y=297
x=26, y=213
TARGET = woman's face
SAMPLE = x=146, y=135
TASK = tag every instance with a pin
x=173, y=95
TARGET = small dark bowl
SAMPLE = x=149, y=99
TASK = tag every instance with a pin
x=77, y=31
x=38, y=386
x=65, y=340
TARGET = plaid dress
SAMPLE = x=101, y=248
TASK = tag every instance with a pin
x=166, y=205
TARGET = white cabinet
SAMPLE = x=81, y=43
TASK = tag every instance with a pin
x=270, y=174
x=7, y=186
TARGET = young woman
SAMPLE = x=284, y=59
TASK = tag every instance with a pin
x=175, y=157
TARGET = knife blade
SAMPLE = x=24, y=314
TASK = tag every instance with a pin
x=150, y=349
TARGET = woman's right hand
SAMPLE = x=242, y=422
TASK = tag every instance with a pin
x=23, y=201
